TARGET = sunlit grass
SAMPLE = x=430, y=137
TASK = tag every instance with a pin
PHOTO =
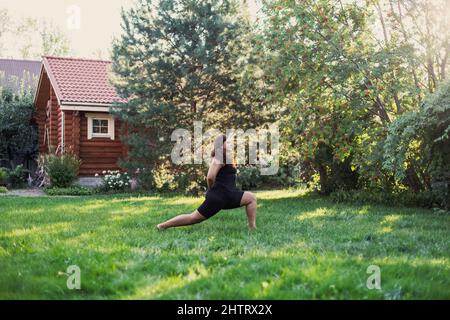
x=305, y=247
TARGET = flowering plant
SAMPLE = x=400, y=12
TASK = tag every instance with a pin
x=115, y=180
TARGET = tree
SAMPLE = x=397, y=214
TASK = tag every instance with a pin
x=31, y=38
x=52, y=41
x=422, y=137
x=341, y=83
x=422, y=28
x=4, y=26
x=18, y=138
x=318, y=60
x=178, y=62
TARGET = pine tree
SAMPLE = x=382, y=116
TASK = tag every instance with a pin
x=178, y=62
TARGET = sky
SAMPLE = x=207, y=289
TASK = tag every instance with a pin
x=90, y=32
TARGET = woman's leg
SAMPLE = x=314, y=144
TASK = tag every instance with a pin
x=249, y=201
x=182, y=220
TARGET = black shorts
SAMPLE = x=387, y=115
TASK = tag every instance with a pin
x=220, y=198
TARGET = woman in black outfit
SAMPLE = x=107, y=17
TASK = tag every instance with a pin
x=222, y=193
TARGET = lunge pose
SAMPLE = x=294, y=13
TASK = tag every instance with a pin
x=222, y=192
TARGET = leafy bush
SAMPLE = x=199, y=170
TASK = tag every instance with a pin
x=418, y=146
x=18, y=137
x=3, y=175
x=17, y=176
x=115, y=180
x=70, y=191
x=61, y=170
x=287, y=176
x=144, y=179
x=249, y=177
x=191, y=179
x=3, y=189
x=164, y=179
x=405, y=198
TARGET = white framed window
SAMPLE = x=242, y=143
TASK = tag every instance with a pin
x=100, y=125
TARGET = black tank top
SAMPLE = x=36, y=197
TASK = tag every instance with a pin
x=226, y=177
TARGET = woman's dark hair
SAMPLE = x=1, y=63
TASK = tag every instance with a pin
x=220, y=143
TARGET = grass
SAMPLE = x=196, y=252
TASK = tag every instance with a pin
x=305, y=247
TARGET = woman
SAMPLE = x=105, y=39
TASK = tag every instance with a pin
x=221, y=194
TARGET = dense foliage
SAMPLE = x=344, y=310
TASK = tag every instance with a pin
x=352, y=86
x=17, y=176
x=70, y=191
x=349, y=80
x=179, y=62
x=422, y=137
x=62, y=170
x=3, y=175
x=18, y=137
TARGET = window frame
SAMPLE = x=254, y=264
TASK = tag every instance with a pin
x=99, y=116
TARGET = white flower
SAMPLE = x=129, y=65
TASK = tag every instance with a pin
x=96, y=174
x=104, y=172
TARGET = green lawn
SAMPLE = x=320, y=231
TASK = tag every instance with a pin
x=305, y=247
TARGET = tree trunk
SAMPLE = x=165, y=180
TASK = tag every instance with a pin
x=323, y=179
x=412, y=179
x=10, y=157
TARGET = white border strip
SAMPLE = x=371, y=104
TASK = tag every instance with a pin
x=84, y=108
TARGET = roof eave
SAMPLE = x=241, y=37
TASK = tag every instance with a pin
x=36, y=90
x=52, y=80
x=96, y=104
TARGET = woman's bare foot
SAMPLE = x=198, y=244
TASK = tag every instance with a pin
x=160, y=227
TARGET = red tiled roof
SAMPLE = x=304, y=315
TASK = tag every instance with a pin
x=81, y=80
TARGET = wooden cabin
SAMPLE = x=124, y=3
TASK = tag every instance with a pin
x=73, y=100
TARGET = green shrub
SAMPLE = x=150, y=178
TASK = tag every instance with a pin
x=62, y=170
x=164, y=178
x=144, y=179
x=3, y=175
x=249, y=177
x=417, y=147
x=18, y=137
x=3, y=189
x=191, y=179
x=17, y=176
x=287, y=176
x=70, y=191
